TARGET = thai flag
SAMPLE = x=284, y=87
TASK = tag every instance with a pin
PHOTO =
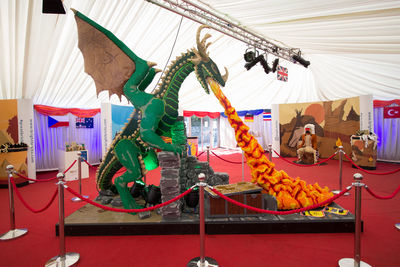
x=266, y=116
x=282, y=74
x=58, y=121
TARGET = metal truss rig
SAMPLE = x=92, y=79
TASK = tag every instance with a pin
x=199, y=14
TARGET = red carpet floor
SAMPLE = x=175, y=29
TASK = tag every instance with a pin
x=380, y=241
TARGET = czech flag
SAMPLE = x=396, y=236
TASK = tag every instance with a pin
x=58, y=121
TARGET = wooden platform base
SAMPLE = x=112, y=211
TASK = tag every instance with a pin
x=92, y=221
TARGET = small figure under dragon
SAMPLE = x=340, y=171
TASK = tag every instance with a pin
x=114, y=67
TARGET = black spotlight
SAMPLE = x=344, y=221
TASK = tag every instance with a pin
x=53, y=7
x=301, y=60
x=154, y=195
x=192, y=199
x=137, y=189
x=250, y=55
x=252, y=63
x=275, y=65
x=264, y=63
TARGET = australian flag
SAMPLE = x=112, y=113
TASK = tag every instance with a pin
x=84, y=122
x=282, y=74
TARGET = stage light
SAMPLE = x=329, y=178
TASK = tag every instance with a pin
x=275, y=65
x=137, y=189
x=53, y=7
x=252, y=63
x=301, y=60
x=264, y=63
x=250, y=55
x=154, y=195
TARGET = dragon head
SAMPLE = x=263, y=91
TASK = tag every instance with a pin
x=204, y=67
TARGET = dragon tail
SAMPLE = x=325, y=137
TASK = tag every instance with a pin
x=107, y=169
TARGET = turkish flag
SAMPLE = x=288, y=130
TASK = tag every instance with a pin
x=391, y=112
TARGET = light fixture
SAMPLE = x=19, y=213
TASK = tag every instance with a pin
x=249, y=55
x=53, y=7
x=302, y=61
x=275, y=65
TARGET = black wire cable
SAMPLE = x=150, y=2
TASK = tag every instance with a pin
x=170, y=54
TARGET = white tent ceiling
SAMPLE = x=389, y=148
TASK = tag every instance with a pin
x=353, y=46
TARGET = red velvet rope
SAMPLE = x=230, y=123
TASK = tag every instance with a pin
x=127, y=210
x=200, y=154
x=281, y=212
x=233, y=162
x=69, y=167
x=385, y=197
x=308, y=165
x=43, y=180
x=90, y=165
x=34, y=180
x=373, y=173
x=26, y=204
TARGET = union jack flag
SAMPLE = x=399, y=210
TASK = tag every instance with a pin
x=282, y=74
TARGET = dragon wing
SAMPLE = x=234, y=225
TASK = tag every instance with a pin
x=108, y=60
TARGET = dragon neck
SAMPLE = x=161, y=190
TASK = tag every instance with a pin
x=171, y=82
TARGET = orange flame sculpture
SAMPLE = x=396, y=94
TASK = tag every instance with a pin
x=290, y=193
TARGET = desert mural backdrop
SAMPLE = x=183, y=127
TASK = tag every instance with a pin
x=332, y=120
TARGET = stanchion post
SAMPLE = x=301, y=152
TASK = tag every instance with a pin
x=356, y=262
x=208, y=154
x=340, y=152
x=242, y=165
x=202, y=261
x=12, y=233
x=63, y=259
x=270, y=152
x=77, y=199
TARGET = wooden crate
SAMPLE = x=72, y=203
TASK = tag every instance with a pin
x=251, y=195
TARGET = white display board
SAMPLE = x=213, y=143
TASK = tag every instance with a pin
x=66, y=158
x=276, y=145
x=26, y=132
x=106, y=127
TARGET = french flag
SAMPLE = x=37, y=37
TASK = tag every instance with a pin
x=58, y=121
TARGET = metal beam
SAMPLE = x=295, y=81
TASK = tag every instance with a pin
x=201, y=15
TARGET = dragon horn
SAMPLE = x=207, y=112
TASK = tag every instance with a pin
x=201, y=45
x=151, y=64
x=225, y=76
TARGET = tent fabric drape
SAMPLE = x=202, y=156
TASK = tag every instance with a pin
x=83, y=113
x=260, y=129
x=200, y=114
x=386, y=103
x=244, y=112
x=387, y=131
x=51, y=141
x=353, y=47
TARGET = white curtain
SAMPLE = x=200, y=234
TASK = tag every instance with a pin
x=388, y=132
x=50, y=141
x=353, y=46
x=260, y=129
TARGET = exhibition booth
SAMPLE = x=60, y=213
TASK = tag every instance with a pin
x=179, y=156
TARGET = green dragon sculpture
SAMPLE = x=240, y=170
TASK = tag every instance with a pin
x=114, y=67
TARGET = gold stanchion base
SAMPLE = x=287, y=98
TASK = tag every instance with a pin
x=348, y=262
x=77, y=199
x=12, y=234
x=208, y=262
x=70, y=259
